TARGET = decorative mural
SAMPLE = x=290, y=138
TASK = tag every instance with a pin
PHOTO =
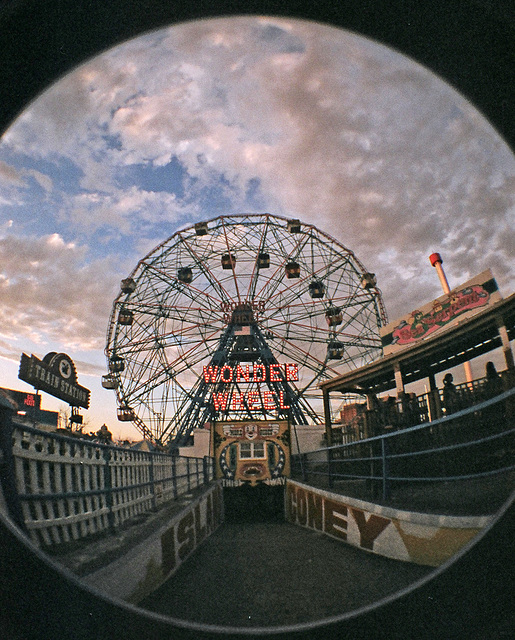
x=251, y=451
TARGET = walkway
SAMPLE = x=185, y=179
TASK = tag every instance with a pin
x=271, y=574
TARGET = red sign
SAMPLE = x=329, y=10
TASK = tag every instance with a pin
x=423, y=325
x=462, y=302
x=255, y=373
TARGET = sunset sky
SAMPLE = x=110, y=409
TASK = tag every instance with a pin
x=238, y=115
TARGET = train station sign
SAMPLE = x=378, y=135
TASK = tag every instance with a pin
x=56, y=375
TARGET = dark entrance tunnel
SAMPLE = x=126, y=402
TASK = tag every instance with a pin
x=471, y=44
x=261, y=503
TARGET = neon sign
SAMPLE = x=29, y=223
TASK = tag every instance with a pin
x=259, y=373
x=255, y=373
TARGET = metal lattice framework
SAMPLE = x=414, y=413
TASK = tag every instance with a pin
x=238, y=290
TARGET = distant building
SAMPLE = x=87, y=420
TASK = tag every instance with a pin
x=350, y=426
x=142, y=445
x=29, y=411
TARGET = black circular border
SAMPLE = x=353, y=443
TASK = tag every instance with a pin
x=470, y=44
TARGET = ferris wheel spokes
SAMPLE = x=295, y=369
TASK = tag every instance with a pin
x=259, y=287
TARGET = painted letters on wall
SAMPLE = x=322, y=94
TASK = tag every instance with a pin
x=186, y=533
x=419, y=538
x=146, y=566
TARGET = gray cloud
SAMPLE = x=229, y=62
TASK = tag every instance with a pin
x=9, y=174
x=337, y=130
x=47, y=293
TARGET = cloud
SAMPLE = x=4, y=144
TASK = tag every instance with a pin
x=9, y=174
x=332, y=128
x=231, y=115
x=43, y=180
x=48, y=293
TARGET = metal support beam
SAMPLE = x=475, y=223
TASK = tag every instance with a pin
x=327, y=416
x=506, y=346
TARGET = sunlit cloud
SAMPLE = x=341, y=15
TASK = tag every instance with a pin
x=233, y=115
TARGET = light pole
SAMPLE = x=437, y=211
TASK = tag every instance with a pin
x=436, y=262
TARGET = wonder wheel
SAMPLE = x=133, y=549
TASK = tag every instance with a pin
x=238, y=317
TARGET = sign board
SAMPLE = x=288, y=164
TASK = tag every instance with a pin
x=245, y=401
x=447, y=310
x=251, y=451
x=56, y=375
x=27, y=402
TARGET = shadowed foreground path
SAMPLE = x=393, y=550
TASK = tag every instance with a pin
x=271, y=574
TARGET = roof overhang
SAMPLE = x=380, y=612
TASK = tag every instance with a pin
x=448, y=348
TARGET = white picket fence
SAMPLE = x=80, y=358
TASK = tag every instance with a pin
x=68, y=489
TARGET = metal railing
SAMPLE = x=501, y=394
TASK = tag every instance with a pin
x=474, y=442
x=391, y=413
x=61, y=489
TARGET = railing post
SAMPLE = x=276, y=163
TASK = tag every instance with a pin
x=384, y=456
x=8, y=469
x=327, y=414
x=108, y=487
x=174, y=477
x=329, y=467
x=152, y=481
x=304, y=466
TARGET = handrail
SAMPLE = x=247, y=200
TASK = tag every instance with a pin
x=67, y=489
x=392, y=457
x=409, y=409
x=462, y=412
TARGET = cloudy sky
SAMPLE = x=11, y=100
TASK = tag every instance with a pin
x=230, y=116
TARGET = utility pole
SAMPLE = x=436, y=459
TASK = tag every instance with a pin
x=436, y=262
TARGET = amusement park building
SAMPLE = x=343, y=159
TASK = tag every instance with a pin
x=28, y=409
x=485, y=331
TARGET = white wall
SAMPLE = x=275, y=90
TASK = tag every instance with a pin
x=309, y=438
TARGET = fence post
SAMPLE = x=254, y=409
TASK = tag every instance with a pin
x=152, y=481
x=329, y=469
x=8, y=469
x=108, y=487
x=205, y=469
x=384, y=456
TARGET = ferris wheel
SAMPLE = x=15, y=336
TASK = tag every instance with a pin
x=240, y=316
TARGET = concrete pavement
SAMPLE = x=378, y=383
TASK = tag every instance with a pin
x=272, y=574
